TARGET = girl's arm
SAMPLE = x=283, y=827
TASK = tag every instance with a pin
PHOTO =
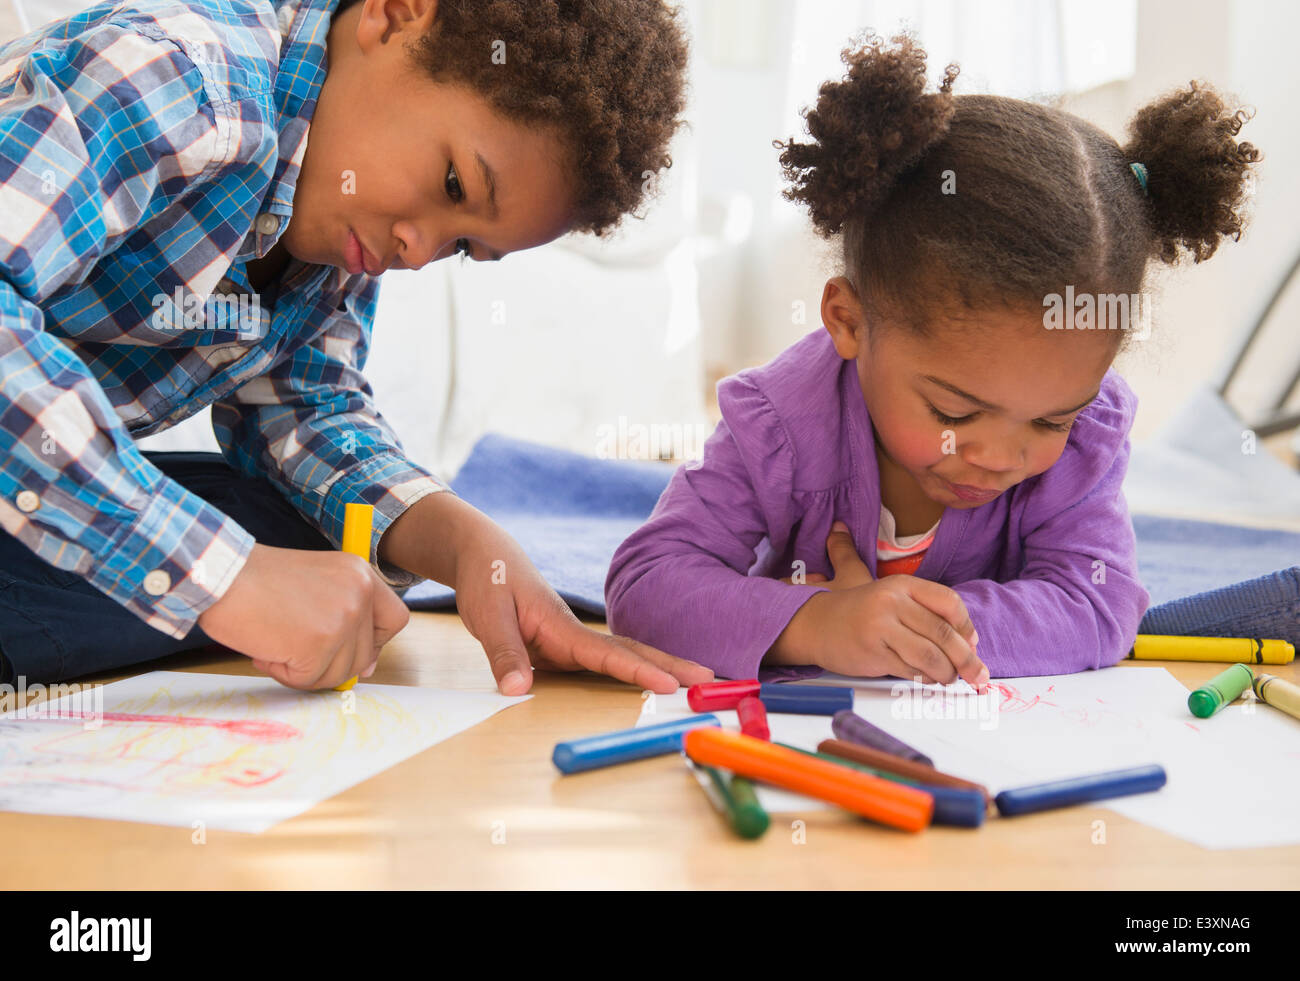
x=679, y=582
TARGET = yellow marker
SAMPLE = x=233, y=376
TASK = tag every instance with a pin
x=1242, y=650
x=1278, y=693
x=358, y=523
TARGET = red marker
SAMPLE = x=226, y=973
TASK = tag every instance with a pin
x=753, y=718
x=718, y=696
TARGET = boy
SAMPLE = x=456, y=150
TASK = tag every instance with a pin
x=154, y=164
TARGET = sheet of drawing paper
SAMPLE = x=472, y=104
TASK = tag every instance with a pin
x=237, y=753
x=1234, y=779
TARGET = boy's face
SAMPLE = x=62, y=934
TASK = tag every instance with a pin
x=979, y=407
x=401, y=171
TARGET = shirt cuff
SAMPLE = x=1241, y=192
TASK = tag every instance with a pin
x=392, y=484
x=170, y=587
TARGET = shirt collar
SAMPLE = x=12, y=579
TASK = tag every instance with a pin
x=304, y=26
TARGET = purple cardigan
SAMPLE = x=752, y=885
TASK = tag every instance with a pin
x=1048, y=570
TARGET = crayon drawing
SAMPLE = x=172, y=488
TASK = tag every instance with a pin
x=236, y=753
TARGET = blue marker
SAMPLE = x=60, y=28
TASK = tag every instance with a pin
x=627, y=744
x=1078, y=790
x=954, y=806
x=805, y=699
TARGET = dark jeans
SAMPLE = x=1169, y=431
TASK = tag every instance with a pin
x=54, y=625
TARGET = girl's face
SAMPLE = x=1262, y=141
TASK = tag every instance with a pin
x=401, y=171
x=982, y=405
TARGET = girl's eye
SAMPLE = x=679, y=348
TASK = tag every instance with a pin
x=1056, y=427
x=452, y=184
x=462, y=248
x=951, y=420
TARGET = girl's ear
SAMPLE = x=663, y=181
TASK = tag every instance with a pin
x=843, y=317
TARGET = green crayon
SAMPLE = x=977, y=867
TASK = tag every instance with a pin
x=734, y=799
x=1219, y=691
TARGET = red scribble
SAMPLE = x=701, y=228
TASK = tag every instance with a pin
x=1192, y=727
x=1012, y=700
x=256, y=730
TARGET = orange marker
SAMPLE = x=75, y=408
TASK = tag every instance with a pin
x=895, y=804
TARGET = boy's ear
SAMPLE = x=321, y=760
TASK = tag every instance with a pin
x=843, y=317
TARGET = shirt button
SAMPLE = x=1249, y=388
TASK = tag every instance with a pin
x=268, y=224
x=27, y=501
x=225, y=286
x=157, y=583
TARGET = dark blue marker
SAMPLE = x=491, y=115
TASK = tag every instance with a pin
x=805, y=699
x=1078, y=790
x=627, y=744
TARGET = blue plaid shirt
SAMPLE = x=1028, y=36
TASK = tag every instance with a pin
x=148, y=151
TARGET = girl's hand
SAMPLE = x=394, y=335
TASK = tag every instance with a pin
x=900, y=625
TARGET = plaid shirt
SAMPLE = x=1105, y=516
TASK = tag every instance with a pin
x=148, y=151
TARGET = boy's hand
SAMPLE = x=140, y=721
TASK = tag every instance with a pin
x=309, y=619
x=511, y=610
x=900, y=625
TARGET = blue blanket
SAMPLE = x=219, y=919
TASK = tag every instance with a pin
x=570, y=512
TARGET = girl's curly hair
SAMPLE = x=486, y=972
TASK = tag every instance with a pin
x=607, y=75
x=986, y=200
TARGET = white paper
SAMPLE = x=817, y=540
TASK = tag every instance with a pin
x=1233, y=779
x=235, y=753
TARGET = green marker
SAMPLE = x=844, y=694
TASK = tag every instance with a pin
x=1219, y=691
x=734, y=799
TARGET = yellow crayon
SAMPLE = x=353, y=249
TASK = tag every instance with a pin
x=358, y=523
x=1242, y=650
x=1278, y=693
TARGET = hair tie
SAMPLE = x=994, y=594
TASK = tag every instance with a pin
x=1140, y=171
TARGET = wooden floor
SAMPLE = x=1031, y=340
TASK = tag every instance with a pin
x=431, y=821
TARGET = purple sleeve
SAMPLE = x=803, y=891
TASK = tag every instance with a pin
x=679, y=582
x=1078, y=599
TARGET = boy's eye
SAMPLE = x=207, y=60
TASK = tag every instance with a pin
x=452, y=184
x=950, y=420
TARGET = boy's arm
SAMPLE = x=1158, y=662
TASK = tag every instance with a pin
x=97, y=135
x=680, y=581
x=1078, y=600
x=311, y=427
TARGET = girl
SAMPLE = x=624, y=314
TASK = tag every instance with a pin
x=944, y=425
x=154, y=163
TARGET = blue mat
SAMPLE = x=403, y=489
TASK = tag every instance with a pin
x=570, y=512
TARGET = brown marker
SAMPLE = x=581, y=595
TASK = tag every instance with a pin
x=898, y=765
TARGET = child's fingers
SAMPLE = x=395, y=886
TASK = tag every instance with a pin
x=944, y=602
x=573, y=644
x=896, y=667
x=923, y=656
x=849, y=568
x=686, y=672
x=943, y=640
x=497, y=630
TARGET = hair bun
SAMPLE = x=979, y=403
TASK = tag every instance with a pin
x=867, y=130
x=1197, y=172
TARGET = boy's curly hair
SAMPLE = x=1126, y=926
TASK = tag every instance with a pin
x=607, y=75
x=980, y=199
